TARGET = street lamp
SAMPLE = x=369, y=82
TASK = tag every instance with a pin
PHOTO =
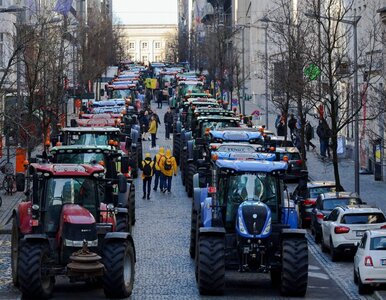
x=354, y=23
x=266, y=20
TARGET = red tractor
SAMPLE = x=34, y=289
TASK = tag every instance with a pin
x=68, y=225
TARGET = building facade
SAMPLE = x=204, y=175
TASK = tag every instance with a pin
x=148, y=43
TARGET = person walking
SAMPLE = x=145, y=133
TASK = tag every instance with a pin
x=157, y=168
x=309, y=131
x=159, y=98
x=168, y=121
x=147, y=167
x=144, y=121
x=168, y=168
x=281, y=130
x=292, y=126
x=324, y=133
x=153, y=131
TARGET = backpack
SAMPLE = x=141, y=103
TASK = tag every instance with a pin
x=168, y=164
x=147, y=169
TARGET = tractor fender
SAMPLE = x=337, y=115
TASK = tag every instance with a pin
x=116, y=236
x=122, y=210
x=206, y=212
x=212, y=231
x=288, y=233
x=189, y=154
x=24, y=217
x=196, y=198
x=178, y=127
x=123, y=198
x=290, y=217
x=196, y=180
x=35, y=237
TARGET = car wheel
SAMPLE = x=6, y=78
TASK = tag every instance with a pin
x=364, y=289
x=355, y=277
x=323, y=246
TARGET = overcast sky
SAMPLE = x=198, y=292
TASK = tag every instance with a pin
x=145, y=11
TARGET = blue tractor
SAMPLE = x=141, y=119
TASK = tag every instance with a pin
x=242, y=221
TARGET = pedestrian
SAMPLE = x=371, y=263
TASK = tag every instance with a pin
x=158, y=122
x=159, y=98
x=147, y=167
x=153, y=131
x=281, y=128
x=168, y=168
x=309, y=131
x=144, y=121
x=168, y=121
x=157, y=168
x=292, y=126
x=324, y=133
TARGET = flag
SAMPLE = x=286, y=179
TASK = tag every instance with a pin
x=63, y=6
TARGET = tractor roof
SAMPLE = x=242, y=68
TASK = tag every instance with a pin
x=78, y=170
x=217, y=117
x=251, y=165
x=82, y=148
x=245, y=156
x=102, y=115
x=229, y=135
x=96, y=130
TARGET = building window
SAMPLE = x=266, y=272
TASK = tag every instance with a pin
x=144, y=58
x=144, y=45
x=131, y=45
x=157, y=45
x=157, y=58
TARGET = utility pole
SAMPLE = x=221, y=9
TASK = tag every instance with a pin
x=243, y=70
x=356, y=108
x=266, y=77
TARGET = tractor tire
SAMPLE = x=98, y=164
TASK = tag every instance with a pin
x=211, y=265
x=176, y=148
x=192, y=169
x=132, y=204
x=139, y=153
x=135, y=171
x=294, y=275
x=119, y=261
x=193, y=232
x=32, y=283
x=182, y=166
x=122, y=224
x=15, y=248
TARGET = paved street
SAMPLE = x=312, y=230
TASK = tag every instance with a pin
x=164, y=269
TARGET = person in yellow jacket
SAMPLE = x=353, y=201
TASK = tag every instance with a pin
x=168, y=168
x=157, y=168
x=147, y=167
x=153, y=131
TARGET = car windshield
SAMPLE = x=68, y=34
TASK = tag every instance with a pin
x=79, y=158
x=215, y=125
x=330, y=204
x=365, y=218
x=91, y=139
x=378, y=243
x=316, y=191
x=120, y=94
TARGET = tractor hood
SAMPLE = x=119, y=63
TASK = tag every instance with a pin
x=76, y=214
x=253, y=219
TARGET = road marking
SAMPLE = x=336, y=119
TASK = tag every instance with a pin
x=318, y=275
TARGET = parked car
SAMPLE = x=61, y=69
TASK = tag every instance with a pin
x=295, y=162
x=305, y=198
x=344, y=227
x=325, y=203
x=370, y=261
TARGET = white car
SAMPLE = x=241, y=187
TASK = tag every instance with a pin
x=344, y=227
x=370, y=261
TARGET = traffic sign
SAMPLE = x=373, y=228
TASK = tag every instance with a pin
x=312, y=71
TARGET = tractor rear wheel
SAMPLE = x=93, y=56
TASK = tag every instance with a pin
x=176, y=148
x=33, y=267
x=132, y=204
x=192, y=169
x=193, y=230
x=15, y=243
x=122, y=224
x=294, y=275
x=211, y=265
x=119, y=262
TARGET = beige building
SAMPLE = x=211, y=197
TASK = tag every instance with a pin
x=148, y=43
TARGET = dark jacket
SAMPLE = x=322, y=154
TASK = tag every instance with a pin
x=168, y=118
x=281, y=129
x=292, y=123
x=309, y=132
x=323, y=131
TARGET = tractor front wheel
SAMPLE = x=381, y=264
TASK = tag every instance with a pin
x=132, y=204
x=211, y=265
x=119, y=262
x=294, y=275
x=33, y=271
x=193, y=229
x=15, y=240
x=192, y=169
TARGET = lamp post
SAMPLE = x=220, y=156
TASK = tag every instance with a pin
x=266, y=20
x=354, y=23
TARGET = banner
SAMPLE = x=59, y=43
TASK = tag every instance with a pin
x=63, y=6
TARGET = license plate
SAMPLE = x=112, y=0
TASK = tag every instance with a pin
x=360, y=233
x=383, y=262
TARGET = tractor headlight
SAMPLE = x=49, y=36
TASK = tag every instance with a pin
x=268, y=227
x=241, y=226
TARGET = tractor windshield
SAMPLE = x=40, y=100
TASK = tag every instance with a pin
x=75, y=190
x=217, y=124
x=251, y=186
x=91, y=139
x=79, y=158
x=122, y=94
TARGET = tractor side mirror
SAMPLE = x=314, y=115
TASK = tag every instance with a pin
x=20, y=182
x=124, y=164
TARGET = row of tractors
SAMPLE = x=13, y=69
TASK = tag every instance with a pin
x=79, y=207
x=241, y=218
